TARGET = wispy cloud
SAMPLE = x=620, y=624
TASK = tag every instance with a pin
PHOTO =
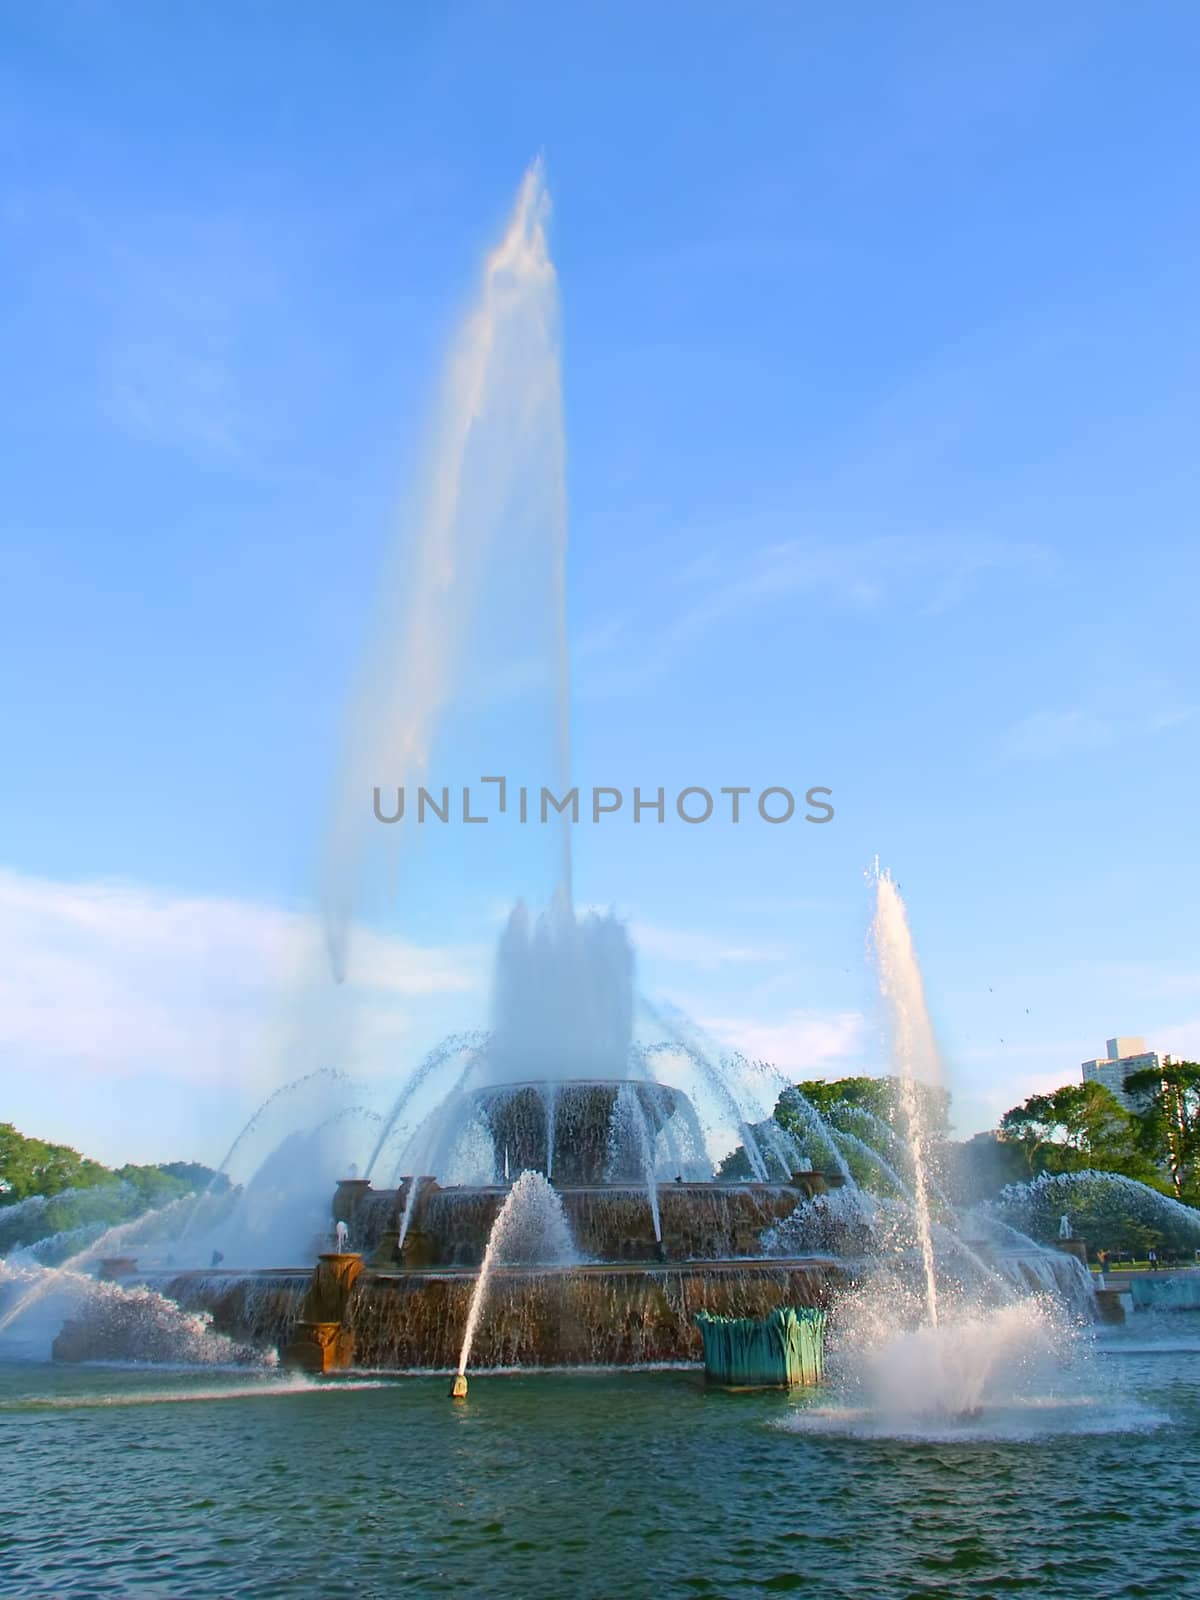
x=697, y=949
x=185, y=305
x=117, y=980
x=1045, y=734
x=724, y=581
x=856, y=575
x=181, y=314
x=801, y=1043
x=1151, y=979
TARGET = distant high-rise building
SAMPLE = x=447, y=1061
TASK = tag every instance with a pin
x=1126, y=1054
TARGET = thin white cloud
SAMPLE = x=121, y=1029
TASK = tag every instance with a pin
x=698, y=949
x=859, y=574
x=725, y=580
x=1044, y=735
x=801, y=1044
x=1180, y=1039
x=188, y=297
x=1147, y=978
x=118, y=980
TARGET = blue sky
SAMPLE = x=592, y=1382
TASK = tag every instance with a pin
x=880, y=359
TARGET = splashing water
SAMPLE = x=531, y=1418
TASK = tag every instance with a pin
x=914, y=1051
x=843, y=1135
x=111, y=1242
x=119, y=1322
x=203, y=1198
x=1017, y=1371
x=1099, y=1203
x=530, y=1228
x=950, y=1371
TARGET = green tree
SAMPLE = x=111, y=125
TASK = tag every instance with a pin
x=33, y=1166
x=195, y=1174
x=1168, y=1119
x=154, y=1186
x=882, y=1097
x=979, y=1167
x=1080, y=1125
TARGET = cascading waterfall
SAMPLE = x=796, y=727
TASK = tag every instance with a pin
x=629, y=1120
x=531, y=1229
x=551, y=1127
x=914, y=1051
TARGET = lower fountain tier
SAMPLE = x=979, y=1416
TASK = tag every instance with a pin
x=450, y=1227
x=576, y=1316
x=586, y=1316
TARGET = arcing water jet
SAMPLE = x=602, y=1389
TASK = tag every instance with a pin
x=531, y=1228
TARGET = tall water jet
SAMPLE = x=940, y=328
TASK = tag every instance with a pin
x=914, y=1051
x=531, y=1228
x=493, y=503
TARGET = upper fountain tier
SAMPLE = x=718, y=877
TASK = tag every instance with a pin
x=581, y=1131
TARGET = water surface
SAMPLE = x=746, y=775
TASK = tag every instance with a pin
x=201, y=1484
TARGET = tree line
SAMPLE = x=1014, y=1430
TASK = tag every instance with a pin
x=1081, y=1126
x=73, y=1190
x=1075, y=1128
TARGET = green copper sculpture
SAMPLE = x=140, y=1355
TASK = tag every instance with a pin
x=778, y=1351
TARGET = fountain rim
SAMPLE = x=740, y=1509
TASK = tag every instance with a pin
x=688, y=1266
x=563, y=1083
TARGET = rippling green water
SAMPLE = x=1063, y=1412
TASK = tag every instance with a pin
x=199, y=1484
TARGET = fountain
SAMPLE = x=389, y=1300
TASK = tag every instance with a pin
x=573, y=1220
x=559, y=1205
x=556, y=1226
x=530, y=1228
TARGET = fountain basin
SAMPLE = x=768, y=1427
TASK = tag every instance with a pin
x=589, y=1315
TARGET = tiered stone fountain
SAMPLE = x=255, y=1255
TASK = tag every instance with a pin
x=648, y=1260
